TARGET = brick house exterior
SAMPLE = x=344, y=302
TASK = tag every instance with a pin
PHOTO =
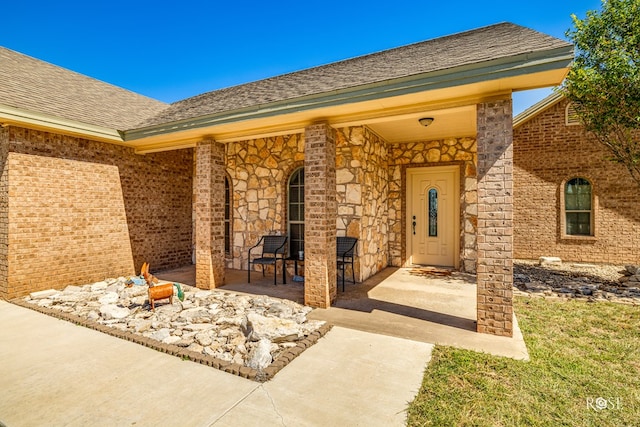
x=550, y=149
x=141, y=180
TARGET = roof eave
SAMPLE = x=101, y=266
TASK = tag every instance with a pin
x=16, y=116
x=529, y=63
x=537, y=108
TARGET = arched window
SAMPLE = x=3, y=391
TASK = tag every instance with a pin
x=227, y=216
x=296, y=212
x=578, y=208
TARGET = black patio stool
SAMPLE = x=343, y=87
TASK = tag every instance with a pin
x=273, y=250
x=345, y=249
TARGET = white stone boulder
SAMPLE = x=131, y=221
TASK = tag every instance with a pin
x=112, y=311
x=549, y=260
x=43, y=294
x=260, y=356
x=109, y=298
x=272, y=328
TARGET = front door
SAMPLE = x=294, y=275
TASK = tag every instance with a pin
x=433, y=216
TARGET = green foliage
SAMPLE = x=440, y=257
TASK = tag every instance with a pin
x=604, y=82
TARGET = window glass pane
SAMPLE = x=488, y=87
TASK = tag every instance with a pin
x=578, y=195
x=577, y=198
x=433, y=213
x=296, y=212
x=296, y=238
x=227, y=237
x=578, y=223
x=227, y=216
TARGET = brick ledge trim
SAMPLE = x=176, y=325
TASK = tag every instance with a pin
x=261, y=376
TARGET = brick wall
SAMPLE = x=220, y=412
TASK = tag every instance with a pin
x=495, y=218
x=320, y=289
x=547, y=153
x=80, y=210
x=209, y=214
x=4, y=211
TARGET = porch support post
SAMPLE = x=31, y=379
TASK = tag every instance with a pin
x=320, y=287
x=495, y=217
x=209, y=212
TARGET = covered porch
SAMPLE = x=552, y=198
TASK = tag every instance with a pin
x=415, y=160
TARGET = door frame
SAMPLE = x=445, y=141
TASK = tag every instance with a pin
x=409, y=173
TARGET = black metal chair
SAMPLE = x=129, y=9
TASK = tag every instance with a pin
x=345, y=254
x=273, y=250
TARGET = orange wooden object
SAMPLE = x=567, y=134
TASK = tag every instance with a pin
x=160, y=292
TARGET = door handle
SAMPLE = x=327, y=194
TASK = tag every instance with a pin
x=414, y=225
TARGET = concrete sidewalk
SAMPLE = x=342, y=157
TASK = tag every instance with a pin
x=56, y=373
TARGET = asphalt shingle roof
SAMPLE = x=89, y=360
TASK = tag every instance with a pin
x=476, y=46
x=37, y=86
x=34, y=85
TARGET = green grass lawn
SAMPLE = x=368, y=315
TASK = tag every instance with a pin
x=579, y=352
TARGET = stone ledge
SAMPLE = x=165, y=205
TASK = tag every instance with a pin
x=233, y=368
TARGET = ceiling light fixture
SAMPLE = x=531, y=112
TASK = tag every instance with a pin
x=426, y=121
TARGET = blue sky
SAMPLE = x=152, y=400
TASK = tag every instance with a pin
x=171, y=50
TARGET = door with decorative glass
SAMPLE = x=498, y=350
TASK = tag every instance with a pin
x=433, y=215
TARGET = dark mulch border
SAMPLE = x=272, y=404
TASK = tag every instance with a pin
x=233, y=368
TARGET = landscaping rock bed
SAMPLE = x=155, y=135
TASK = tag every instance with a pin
x=249, y=335
x=576, y=280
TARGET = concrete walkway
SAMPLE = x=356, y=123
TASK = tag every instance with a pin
x=55, y=373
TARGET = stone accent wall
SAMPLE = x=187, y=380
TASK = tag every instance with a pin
x=259, y=171
x=209, y=214
x=362, y=192
x=495, y=218
x=81, y=210
x=320, y=288
x=547, y=153
x=450, y=151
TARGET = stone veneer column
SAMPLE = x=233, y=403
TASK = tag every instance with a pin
x=320, y=288
x=209, y=211
x=495, y=217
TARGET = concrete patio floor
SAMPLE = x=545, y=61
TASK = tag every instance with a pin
x=420, y=304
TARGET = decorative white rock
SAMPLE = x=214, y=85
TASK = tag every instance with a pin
x=549, y=260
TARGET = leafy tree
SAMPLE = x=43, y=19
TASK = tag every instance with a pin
x=604, y=82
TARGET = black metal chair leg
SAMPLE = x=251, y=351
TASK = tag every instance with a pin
x=284, y=273
x=353, y=273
